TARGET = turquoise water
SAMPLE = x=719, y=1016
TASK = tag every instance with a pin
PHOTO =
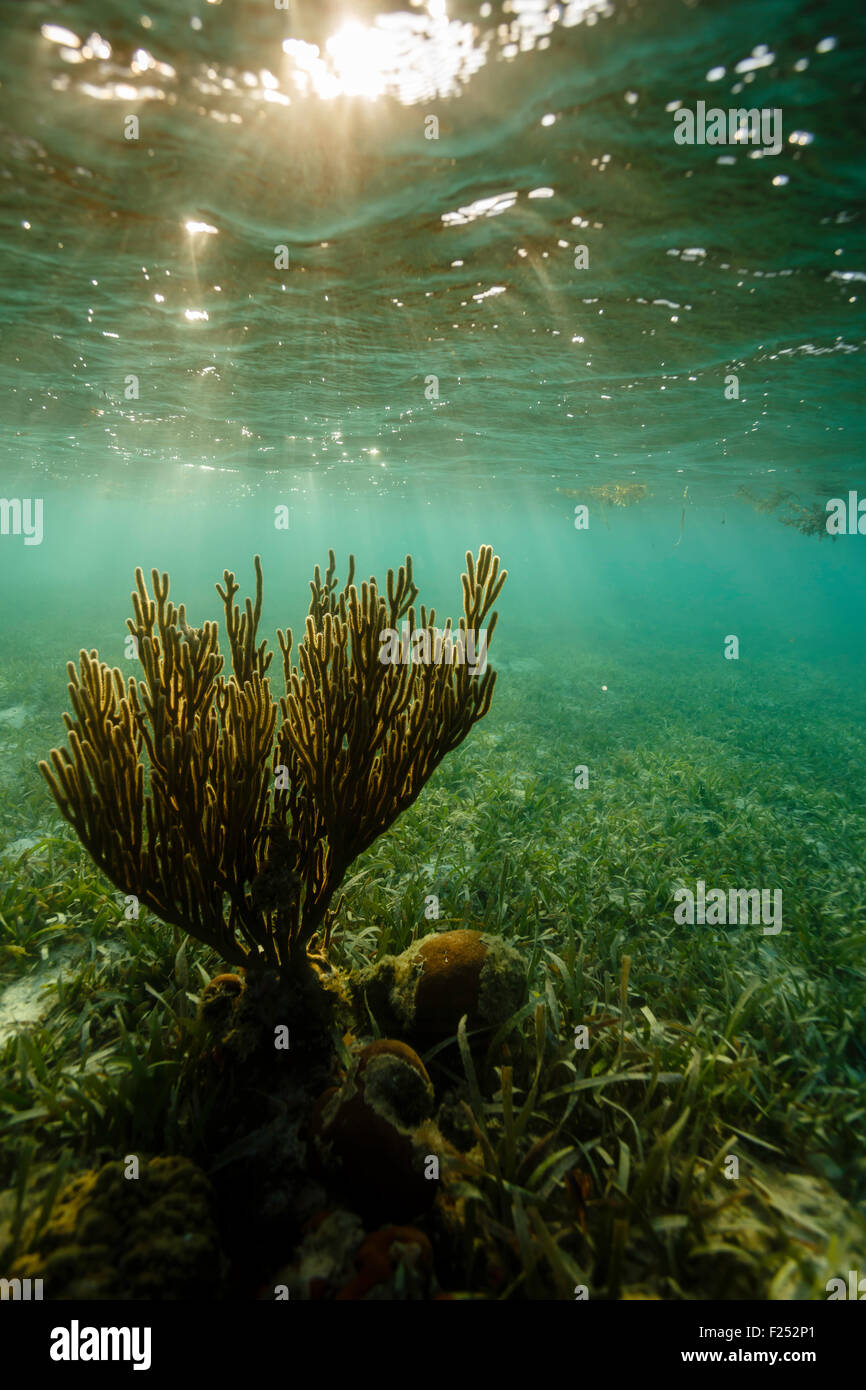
x=166, y=389
x=240, y=284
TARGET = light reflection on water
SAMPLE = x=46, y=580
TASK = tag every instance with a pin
x=319, y=215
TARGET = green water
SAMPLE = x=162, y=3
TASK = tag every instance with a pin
x=375, y=387
x=427, y=370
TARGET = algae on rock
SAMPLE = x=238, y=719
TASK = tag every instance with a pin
x=111, y=1238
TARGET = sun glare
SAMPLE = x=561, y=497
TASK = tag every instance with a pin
x=360, y=57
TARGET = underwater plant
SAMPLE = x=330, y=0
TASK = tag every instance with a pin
x=765, y=504
x=811, y=520
x=233, y=816
x=620, y=494
x=612, y=494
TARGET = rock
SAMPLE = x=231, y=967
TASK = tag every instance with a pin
x=394, y=1263
x=219, y=997
x=259, y=1040
x=26, y=842
x=374, y=1135
x=267, y=1190
x=325, y=1259
x=31, y=998
x=15, y=717
x=109, y=1237
x=424, y=992
x=395, y=1081
x=223, y=984
x=338, y=1260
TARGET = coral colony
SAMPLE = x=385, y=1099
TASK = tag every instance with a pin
x=254, y=809
x=234, y=816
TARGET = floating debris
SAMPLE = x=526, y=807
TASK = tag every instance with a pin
x=811, y=520
x=682, y=518
x=613, y=494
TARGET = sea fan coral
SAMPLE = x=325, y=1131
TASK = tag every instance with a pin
x=232, y=815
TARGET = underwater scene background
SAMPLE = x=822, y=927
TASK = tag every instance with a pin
x=285, y=280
